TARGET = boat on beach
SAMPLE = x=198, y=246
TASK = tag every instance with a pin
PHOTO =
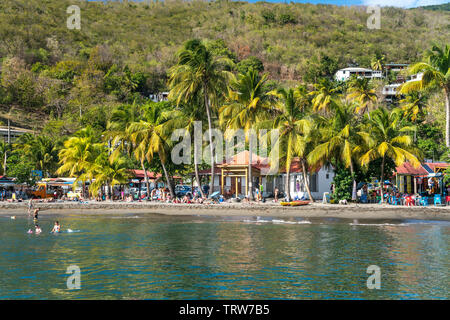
x=295, y=203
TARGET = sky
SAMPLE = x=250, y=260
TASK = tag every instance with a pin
x=394, y=3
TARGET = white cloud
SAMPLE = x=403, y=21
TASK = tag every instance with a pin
x=403, y=3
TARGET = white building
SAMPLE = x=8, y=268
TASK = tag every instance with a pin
x=390, y=91
x=160, y=96
x=346, y=73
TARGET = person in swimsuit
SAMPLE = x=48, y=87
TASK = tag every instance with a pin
x=36, y=214
x=30, y=206
x=56, y=227
x=37, y=229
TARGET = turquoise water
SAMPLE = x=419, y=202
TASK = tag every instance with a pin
x=155, y=257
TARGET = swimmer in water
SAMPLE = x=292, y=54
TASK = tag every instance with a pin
x=37, y=229
x=56, y=227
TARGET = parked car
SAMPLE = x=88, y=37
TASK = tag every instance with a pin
x=181, y=191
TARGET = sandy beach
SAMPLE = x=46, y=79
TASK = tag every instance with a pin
x=315, y=210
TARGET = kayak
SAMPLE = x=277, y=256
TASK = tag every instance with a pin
x=295, y=203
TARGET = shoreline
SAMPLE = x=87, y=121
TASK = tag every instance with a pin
x=315, y=210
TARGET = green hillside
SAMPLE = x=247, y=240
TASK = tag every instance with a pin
x=438, y=7
x=123, y=50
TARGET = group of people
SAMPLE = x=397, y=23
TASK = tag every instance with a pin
x=35, y=214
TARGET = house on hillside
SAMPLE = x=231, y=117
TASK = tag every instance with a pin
x=347, y=73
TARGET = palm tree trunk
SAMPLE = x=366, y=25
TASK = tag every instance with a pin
x=146, y=180
x=250, y=158
x=211, y=186
x=382, y=180
x=447, y=120
x=287, y=184
x=199, y=183
x=352, y=172
x=305, y=178
x=166, y=175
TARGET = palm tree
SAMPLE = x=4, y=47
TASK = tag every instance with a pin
x=109, y=173
x=247, y=104
x=116, y=133
x=377, y=62
x=186, y=118
x=324, y=95
x=200, y=73
x=41, y=150
x=435, y=74
x=413, y=105
x=361, y=91
x=78, y=156
x=386, y=136
x=340, y=140
x=294, y=129
x=5, y=147
x=148, y=138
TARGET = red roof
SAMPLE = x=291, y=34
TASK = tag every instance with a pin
x=436, y=165
x=242, y=159
x=139, y=174
x=296, y=167
x=408, y=169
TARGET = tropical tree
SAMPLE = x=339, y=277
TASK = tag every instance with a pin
x=377, y=62
x=117, y=135
x=148, y=138
x=360, y=90
x=414, y=105
x=339, y=134
x=294, y=128
x=247, y=104
x=78, y=156
x=109, y=173
x=387, y=137
x=186, y=118
x=199, y=72
x=435, y=71
x=5, y=148
x=325, y=95
x=41, y=150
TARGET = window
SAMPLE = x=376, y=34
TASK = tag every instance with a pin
x=327, y=176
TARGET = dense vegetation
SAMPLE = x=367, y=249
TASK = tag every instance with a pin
x=85, y=91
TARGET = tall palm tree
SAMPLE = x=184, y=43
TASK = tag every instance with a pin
x=5, y=147
x=116, y=133
x=41, y=150
x=148, y=138
x=78, y=155
x=109, y=173
x=377, y=62
x=247, y=104
x=325, y=95
x=435, y=71
x=199, y=72
x=186, y=118
x=360, y=90
x=386, y=137
x=340, y=140
x=294, y=128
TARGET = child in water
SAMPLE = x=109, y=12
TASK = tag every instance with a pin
x=37, y=230
x=56, y=227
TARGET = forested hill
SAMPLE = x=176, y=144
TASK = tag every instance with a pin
x=124, y=50
x=438, y=7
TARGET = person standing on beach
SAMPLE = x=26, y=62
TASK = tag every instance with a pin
x=276, y=194
x=30, y=206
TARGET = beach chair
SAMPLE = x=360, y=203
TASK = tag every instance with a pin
x=424, y=201
x=437, y=199
x=447, y=200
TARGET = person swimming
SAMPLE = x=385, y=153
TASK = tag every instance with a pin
x=37, y=229
x=56, y=227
